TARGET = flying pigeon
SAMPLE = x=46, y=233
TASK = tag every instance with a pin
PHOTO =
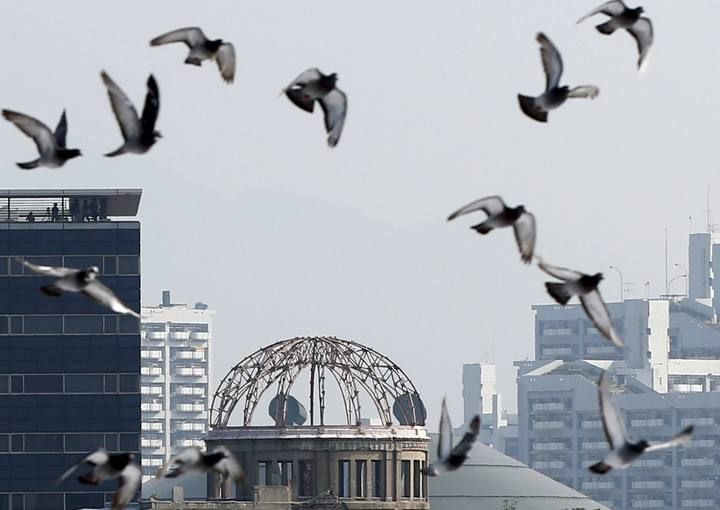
x=500, y=215
x=313, y=85
x=106, y=466
x=621, y=16
x=537, y=107
x=623, y=452
x=449, y=458
x=202, y=48
x=586, y=288
x=80, y=280
x=139, y=132
x=51, y=146
x=192, y=460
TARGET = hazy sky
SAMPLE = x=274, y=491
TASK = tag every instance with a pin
x=246, y=208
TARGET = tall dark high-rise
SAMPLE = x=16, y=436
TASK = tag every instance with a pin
x=69, y=368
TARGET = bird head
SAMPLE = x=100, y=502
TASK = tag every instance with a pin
x=639, y=10
x=598, y=277
x=91, y=272
x=330, y=80
x=520, y=209
x=642, y=445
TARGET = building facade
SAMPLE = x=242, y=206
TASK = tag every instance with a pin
x=175, y=369
x=69, y=368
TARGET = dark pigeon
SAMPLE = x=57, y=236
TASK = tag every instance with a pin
x=51, y=146
x=192, y=460
x=449, y=458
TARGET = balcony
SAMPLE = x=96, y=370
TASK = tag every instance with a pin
x=190, y=408
x=198, y=335
x=179, y=335
x=155, y=335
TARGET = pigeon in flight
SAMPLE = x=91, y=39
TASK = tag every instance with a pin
x=621, y=16
x=202, y=48
x=313, y=85
x=449, y=458
x=537, y=107
x=139, y=132
x=500, y=215
x=623, y=452
x=80, y=280
x=192, y=460
x=584, y=286
x=106, y=466
x=51, y=146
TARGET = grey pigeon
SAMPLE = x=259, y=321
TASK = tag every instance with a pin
x=192, y=460
x=500, y=215
x=51, y=146
x=449, y=458
x=312, y=85
x=202, y=48
x=80, y=280
x=107, y=466
x=575, y=283
x=537, y=107
x=621, y=16
x=623, y=452
x=139, y=132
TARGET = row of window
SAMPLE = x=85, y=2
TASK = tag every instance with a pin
x=107, y=264
x=54, y=500
x=69, y=383
x=68, y=325
x=175, y=327
x=67, y=443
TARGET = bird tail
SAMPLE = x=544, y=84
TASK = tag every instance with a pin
x=29, y=165
x=600, y=468
x=558, y=292
x=529, y=107
x=606, y=28
x=116, y=152
x=52, y=290
x=482, y=228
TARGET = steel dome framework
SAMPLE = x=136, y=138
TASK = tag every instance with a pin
x=353, y=366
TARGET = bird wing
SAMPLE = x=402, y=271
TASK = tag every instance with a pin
x=679, y=440
x=297, y=96
x=642, y=32
x=612, y=422
x=446, y=434
x=105, y=297
x=611, y=8
x=590, y=91
x=552, y=61
x=42, y=136
x=129, y=482
x=151, y=107
x=124, y=110
x=561, y=273
x=229, y=465
x=597, y=311
x=490, y=205
x=334, y=106
x=225, y=58
x=96, y=458
x=525, y=231
x=58, y=272
x=61, y=131
x=191, y=36
x=188, y=457
x=466, y=443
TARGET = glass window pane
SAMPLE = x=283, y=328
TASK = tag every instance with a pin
x=56, y=261
x=43, y=324
x=128, y=264
x=4, y=384
x=43, y=442
x=262, y=473
x=305, y=474
x=417, y=479
x=16, y=325
x=16, y=384
x=344, y=478
x=129, y=383
x=83, y=442
x=16, y=442
x=83, y=324
x=16, y=266
x=4, y=325
x=377, y=486
x=43, y=384
x=84, y=383
x=111, y=442
x=3, y=265
x=110, y=265
x=405, y=478
x=129, y=324
x=4, y=442
x=129, y=442
x=81, y=262
x=111, y=384
x=361, y=478
x=110, y=322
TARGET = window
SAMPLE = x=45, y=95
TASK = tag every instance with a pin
x=305, y=474
x=344, y=478
x=83, y=442
x=109, y=265
x=83, y=261
x=43, y=443
x=84, y=384
x=83, y=324
x=110, y=324
x=3, y=265
x=16, y=325
x=263, y=473
x=4, y=326
x=129, y=383
x=128, y=264
x=286, y=471
x=129, y=324
x=361, y=478
x=377, y=474
x=43, y=384
x=43, y=324
x=405, y=478
x=417, y=479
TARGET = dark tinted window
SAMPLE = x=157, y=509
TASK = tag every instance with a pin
x=43, y=442
x=16, y=267
x=84, y=384
x=83, y=442
x=84, y=500
x=44, y=501
x=16, y=443
x=4, y=442
x=83, y=324
x=129, y=383
x=3, y=265
x=111, y=384
x=129, y=443
x=43, y=384
x=16, y=325
x=43, y=324
x=81, y=262
x=110, y=322
x=4, y=384
x=110, y=265
x=4, y=325
x=129, y=324
x=16, y=384
x=129, y=264
x=111, y=442
x=18, y=502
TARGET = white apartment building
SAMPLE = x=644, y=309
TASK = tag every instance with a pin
x=175, y=376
